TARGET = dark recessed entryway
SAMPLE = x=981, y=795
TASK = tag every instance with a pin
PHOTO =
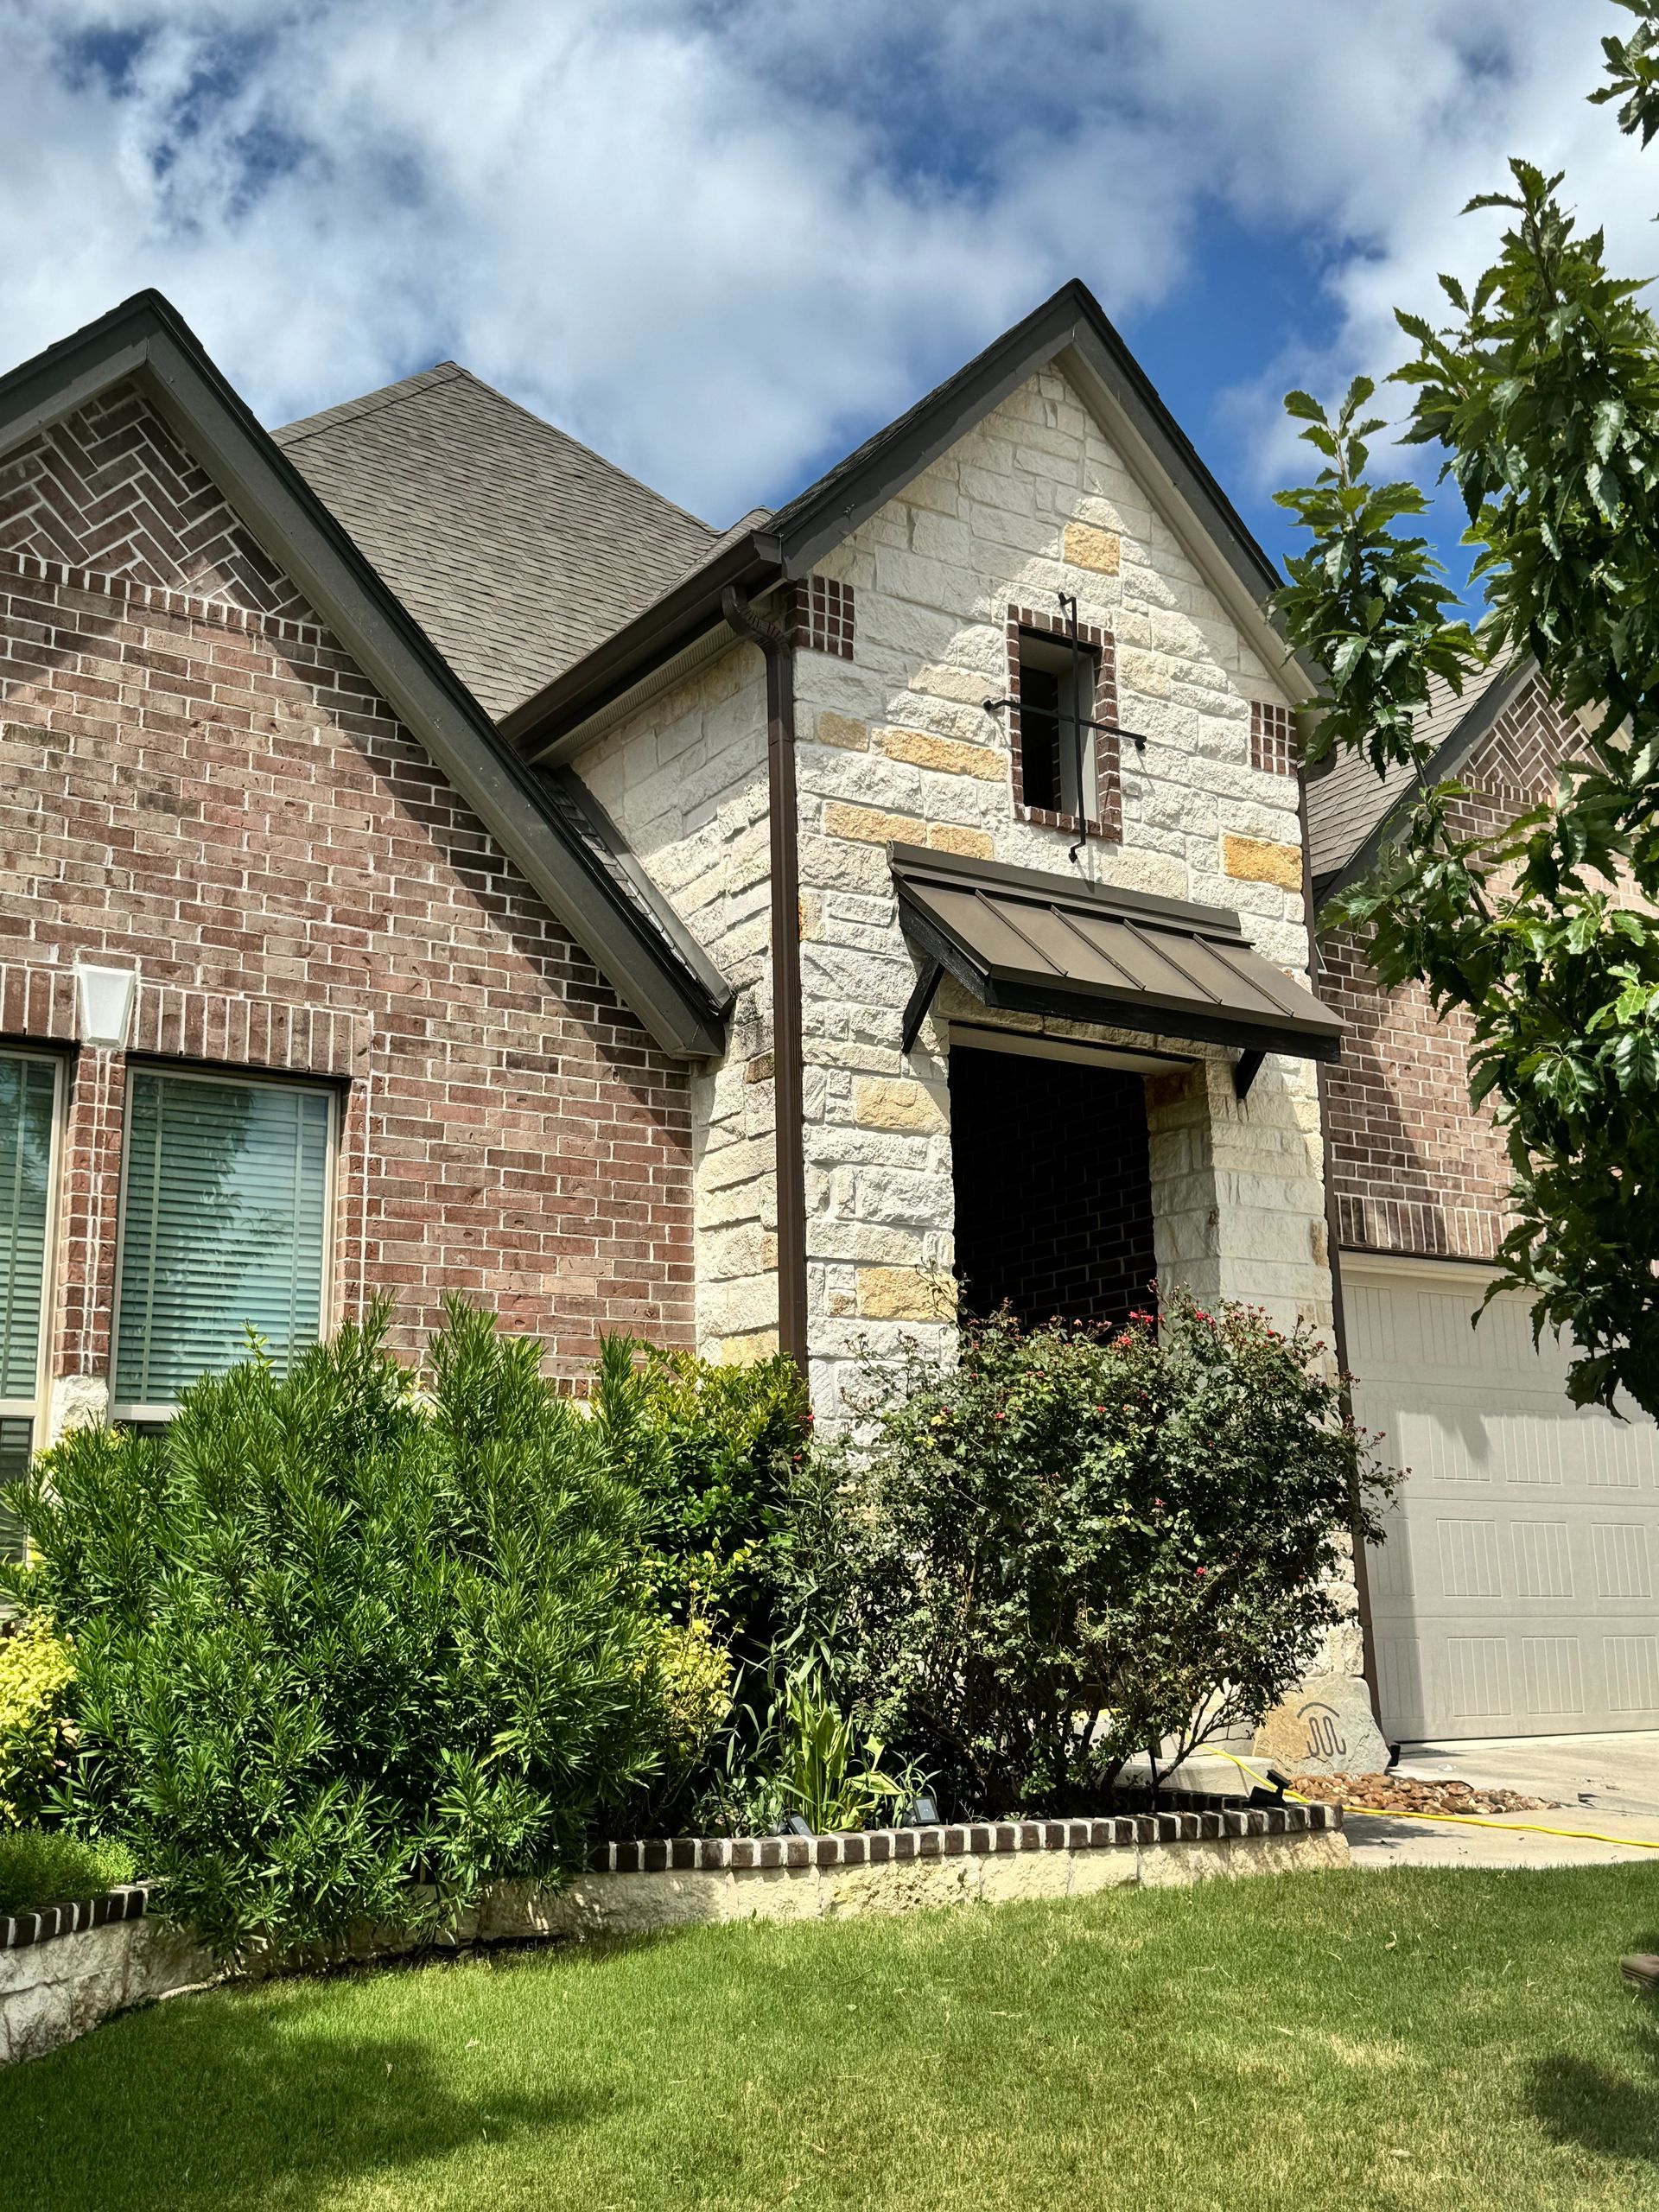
x=1053, y=1188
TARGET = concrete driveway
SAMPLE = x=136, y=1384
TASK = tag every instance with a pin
x=1609, y=1784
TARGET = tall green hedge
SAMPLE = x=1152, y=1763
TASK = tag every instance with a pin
x=346, y=1647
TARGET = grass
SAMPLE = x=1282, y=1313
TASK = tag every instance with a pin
x=37, y=1868
x=1412, y=2041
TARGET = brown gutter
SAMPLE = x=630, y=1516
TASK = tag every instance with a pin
x=789, y=1080
x=1333, y=1254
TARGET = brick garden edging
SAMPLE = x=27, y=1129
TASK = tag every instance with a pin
x=1216, y=1823
x=65, y=1969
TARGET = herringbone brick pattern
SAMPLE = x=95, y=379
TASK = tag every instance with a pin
x=111, y=489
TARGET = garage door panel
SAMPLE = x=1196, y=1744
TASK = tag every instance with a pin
x=1515, y=1590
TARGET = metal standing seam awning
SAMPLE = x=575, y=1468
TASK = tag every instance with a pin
x=1026, y=942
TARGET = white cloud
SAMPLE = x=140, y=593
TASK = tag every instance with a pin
x=719, y=239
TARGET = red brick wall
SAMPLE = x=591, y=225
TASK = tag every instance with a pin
x=1415, y=1169
x=207, y=787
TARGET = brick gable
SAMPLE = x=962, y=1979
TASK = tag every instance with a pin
x=112, y=489
x=1415, y=1168
x=215, y=793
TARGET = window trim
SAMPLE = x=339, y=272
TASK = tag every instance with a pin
x=34, y=1409
x=1105, y=819
x=131, y=1410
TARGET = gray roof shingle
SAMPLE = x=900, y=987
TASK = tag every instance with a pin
x=1346, y=798
x=516, y=548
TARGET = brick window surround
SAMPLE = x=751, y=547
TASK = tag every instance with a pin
x=1273, y=738
x=821, y=616
x=1107, y=820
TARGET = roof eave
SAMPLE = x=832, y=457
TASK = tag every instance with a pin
x=1072, y=323
x=540, y=726
x=1453, y=751
x=146, y=342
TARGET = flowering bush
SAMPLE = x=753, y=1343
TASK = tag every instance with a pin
x=1073, y=1546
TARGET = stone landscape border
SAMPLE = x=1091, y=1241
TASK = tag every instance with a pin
x=67, y=1968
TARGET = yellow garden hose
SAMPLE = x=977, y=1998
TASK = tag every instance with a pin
x=1459, y=1820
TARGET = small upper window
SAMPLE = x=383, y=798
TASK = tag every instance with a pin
x=1057, y=741
x=224, y=1229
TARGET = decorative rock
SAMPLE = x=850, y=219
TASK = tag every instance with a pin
x=1325, y=1726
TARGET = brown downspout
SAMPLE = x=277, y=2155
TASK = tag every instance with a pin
x=789, y=1081
x=1333, y=1253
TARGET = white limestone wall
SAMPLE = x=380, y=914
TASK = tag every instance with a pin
x=895, y=745
x=684, y=778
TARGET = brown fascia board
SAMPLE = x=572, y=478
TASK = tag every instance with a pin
x=798, y=536
x=1441, y=768
x=145, y=340
x=822, y=515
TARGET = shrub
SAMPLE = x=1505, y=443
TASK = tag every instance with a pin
x=336, y=1637
x=708, y=1449
x=39, y=1867
x=1071, y=1546
x=37, y=1667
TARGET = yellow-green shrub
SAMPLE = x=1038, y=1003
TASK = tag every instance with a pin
x=37, y=1667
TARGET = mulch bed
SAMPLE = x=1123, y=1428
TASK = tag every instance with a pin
x=1405, y=1793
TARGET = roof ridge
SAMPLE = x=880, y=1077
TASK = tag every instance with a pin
x=368, y=403
x=545, y=422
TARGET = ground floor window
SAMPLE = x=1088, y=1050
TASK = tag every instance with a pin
x=224, y=1215
x=28, y=1118
x=1053, y=1187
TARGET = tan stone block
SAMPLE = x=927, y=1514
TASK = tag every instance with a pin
x=852, y=736
x=948, y=754
x=1255, y=859
x=956, y=837
x=1094, y=1871
x=1085, y=547
x=809, y=917
x=904, y=1294
x=1011, y=1876
x=900, y=1886
x=881, y=1102
x=868, y=825
x=777, y=1893
x=748, y=1351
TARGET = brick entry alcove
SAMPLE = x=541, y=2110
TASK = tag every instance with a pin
x=1053, y=1187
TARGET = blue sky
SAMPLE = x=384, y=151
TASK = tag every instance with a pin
x=723, y=240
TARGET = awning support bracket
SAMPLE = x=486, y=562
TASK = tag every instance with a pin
x=916, y=1005
x=1246, y=1067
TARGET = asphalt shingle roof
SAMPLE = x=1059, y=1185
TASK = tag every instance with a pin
x=515, y=548
x=1347, y=799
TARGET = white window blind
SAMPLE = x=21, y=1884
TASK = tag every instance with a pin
x=27, y=1104
x=224, y=1229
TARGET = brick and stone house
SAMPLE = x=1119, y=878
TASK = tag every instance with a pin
x=1515, y=1593
x=435, y=862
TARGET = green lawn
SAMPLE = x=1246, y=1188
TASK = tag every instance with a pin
x=1411, y=2039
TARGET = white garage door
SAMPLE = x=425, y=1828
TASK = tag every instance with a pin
x=1515, y=1594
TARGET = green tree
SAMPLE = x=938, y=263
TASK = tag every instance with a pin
x=1542, y=395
